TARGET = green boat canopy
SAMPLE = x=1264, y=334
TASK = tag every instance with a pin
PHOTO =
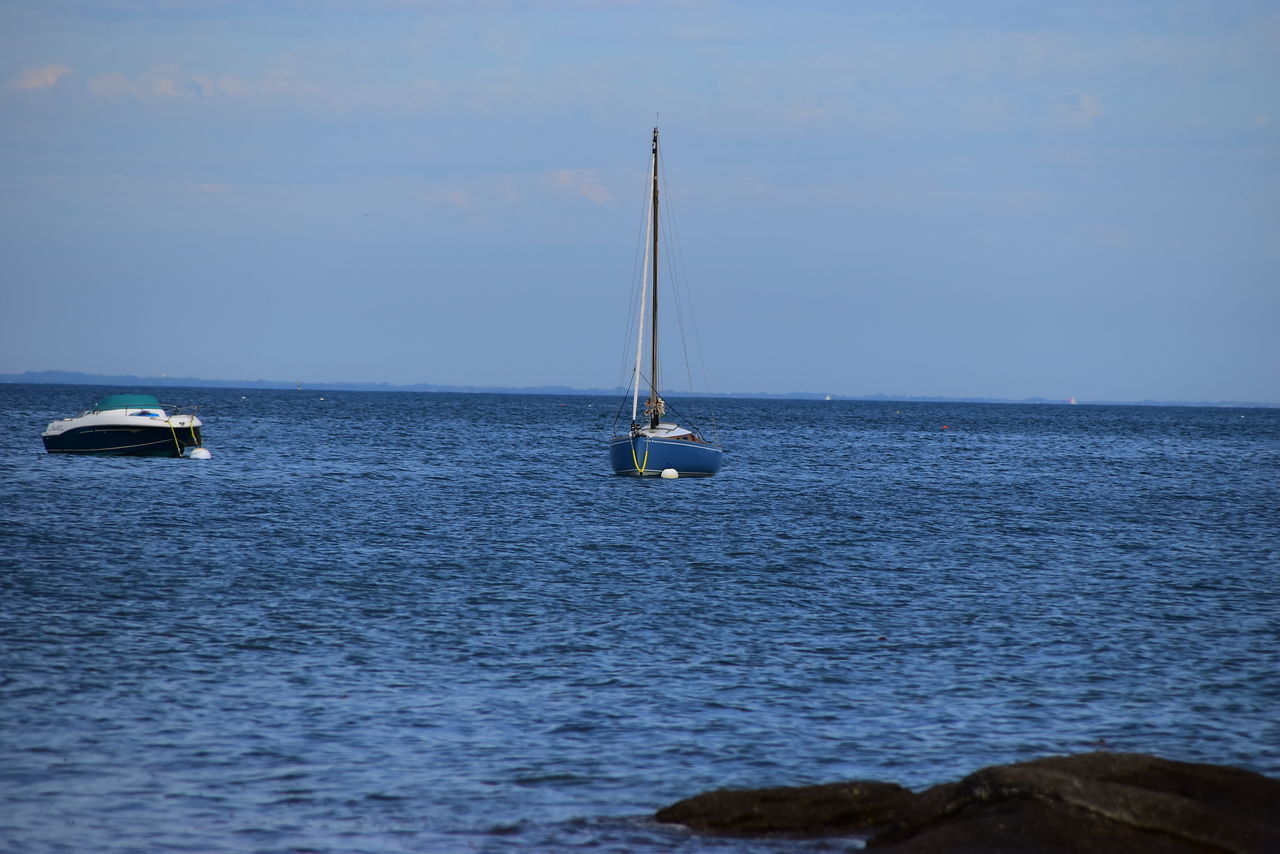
x=126, y=401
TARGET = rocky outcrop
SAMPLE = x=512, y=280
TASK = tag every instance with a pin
x=835, y=808
x=1095, y=802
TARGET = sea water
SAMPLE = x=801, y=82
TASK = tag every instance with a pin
x=396, y=622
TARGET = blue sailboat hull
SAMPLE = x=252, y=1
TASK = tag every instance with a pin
x=641, y=456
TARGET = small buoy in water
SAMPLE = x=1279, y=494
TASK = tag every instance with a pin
x=670, y=473
x=199, y=454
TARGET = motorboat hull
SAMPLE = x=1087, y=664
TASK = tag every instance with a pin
x=643, y=456
x=145, y=437
x=122, y=440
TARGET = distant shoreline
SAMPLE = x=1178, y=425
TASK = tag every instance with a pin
x=77, y=378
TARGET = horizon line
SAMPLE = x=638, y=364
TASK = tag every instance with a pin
x=51, y=377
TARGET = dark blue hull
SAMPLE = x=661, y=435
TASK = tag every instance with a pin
x=641, y=456
x=124, y=441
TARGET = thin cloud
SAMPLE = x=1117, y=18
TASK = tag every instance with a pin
x=806, y=115
x=44, y=77
x=276, y=85
x=1078, y=110
x=165, y=82
x=455, y=197
x=585, y=183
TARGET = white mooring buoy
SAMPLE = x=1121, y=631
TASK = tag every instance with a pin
x=670, y=473
x=199, y=454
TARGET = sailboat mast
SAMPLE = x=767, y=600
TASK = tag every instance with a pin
x=654, y=406
x=644, y=299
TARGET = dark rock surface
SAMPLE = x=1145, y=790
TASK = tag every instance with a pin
x=1127, y=803
x=834, y=808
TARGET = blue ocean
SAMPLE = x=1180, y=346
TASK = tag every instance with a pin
x=400, y=622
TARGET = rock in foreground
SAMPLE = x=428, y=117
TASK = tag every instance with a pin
x=1094, y=802
x=835, y=808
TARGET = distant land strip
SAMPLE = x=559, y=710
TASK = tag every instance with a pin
x=77, y=378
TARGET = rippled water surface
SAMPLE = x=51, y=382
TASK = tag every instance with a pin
x=385, y=622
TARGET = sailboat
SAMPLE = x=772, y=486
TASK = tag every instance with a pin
x=654, y=445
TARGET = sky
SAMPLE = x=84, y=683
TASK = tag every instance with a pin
x=995, y=198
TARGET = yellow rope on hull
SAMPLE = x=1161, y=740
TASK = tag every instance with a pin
x=639, y=465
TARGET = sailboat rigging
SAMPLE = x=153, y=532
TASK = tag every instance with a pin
x=654, y=446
